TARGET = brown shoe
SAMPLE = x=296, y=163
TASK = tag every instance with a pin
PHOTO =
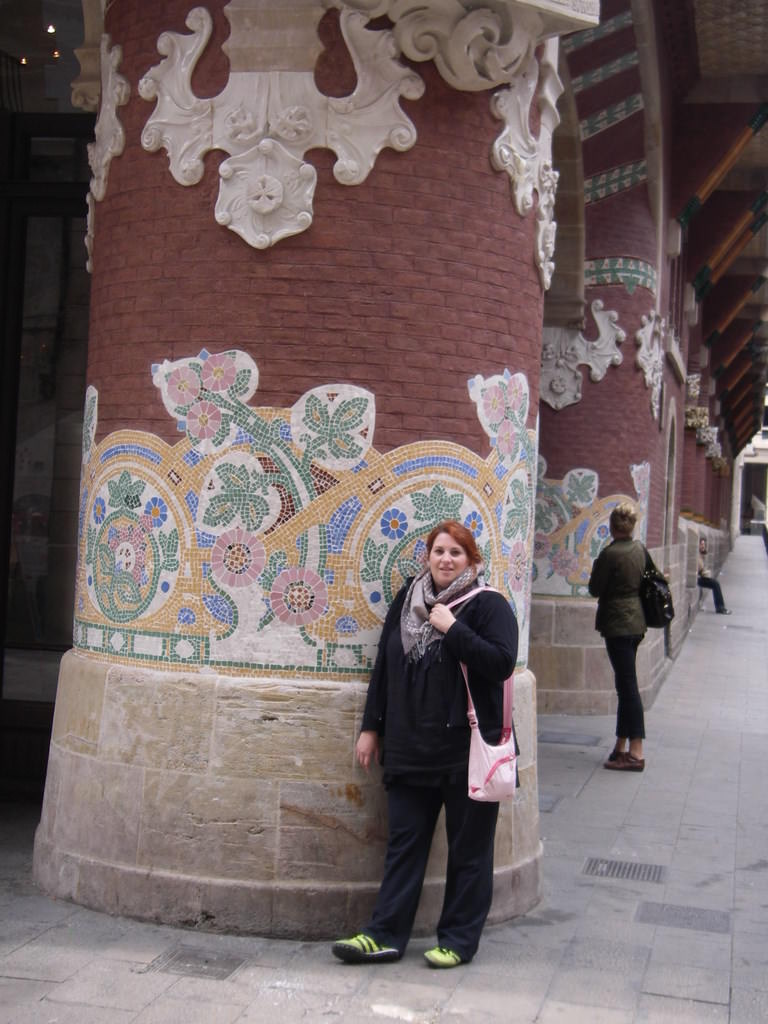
x=626, y=763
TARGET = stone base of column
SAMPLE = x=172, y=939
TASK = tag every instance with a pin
x=571, y=665
x=234, y=804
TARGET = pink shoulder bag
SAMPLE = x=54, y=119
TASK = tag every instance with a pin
x=492, y=773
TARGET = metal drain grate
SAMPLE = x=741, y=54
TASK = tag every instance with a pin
x=629, y=869
x=197, y=963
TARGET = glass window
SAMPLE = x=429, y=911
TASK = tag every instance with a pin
x=51, y=383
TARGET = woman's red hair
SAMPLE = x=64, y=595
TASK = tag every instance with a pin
x=460, y=534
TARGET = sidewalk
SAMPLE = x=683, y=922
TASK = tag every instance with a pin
x=655, y=888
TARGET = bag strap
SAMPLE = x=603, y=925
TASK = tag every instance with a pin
x=509, y=685
x=506, y=716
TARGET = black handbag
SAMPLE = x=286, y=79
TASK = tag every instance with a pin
x=655, y=596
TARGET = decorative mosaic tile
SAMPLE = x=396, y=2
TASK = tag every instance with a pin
x=610, y=116
x=632, y=273
x=602, y=74
x=273, y=540
x=591, y=35
x=572, y=527
x=617, y=179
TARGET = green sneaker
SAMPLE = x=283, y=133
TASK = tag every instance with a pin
x=362, y=949
x=439, y=956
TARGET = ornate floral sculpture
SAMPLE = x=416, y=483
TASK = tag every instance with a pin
x=565, y=349
x=109, y=137
x=270, y=113
x=696, y=417
x=650, y=357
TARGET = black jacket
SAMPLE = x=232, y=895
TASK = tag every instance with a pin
x=420, y=708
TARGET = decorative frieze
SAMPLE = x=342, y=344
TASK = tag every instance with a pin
x=625, y=270
x=572, y=526
x=617, y=179
x=272, y=539
x=565, y=349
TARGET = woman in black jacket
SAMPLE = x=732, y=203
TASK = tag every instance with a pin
x=615, y=582
x=415, y=723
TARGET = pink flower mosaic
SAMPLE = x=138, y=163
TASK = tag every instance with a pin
x=129, y=544
x=203, y=420
x=219, y=372
x=494, y=403
x=237, y=558
x=183, y=385
x=299, y=596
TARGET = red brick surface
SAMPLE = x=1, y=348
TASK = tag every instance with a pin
x=408, y=284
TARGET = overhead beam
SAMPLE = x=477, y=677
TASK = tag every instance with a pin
x=715, y=176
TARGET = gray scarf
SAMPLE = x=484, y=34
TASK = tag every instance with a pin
x=416, y=631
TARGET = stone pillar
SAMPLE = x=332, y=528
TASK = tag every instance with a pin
x=315, y=332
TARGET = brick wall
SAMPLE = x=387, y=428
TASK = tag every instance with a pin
x=408, y=284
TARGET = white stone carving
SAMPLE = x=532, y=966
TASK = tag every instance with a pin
x=477, y=44
x=267, y=119
x=109, y=136
x=693, y=386
x=708, y=436
x=526, y=159
x=270, y=112
x=650, y=357
x=565, y=349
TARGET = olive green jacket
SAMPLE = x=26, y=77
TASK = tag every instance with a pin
x=615, y=582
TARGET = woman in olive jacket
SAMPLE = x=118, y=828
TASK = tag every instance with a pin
x=615, y=582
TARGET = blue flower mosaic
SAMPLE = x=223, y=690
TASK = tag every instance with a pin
x=99, y=510
x=347, y=624
x=474, y=523
x=157, y=511
x=394, y=524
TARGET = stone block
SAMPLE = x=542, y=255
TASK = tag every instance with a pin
x=105, y=808
x=542, y=622
x=332, y=831
x=597, y=670
x=575, y=623
x=209, y=826
x=290, y=729
x=79, y=703
x=157, y=719
x=557, y=668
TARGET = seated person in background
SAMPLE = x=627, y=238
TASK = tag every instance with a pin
x=705, y=580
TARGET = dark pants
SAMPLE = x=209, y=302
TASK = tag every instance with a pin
x=622, y=651
x=709, y=584
x=470, y=827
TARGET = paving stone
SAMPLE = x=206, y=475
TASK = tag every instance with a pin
x=683, y=982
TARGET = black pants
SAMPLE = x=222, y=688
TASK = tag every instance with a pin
x=470, y=828
x=709, y=584
x=622, y=651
